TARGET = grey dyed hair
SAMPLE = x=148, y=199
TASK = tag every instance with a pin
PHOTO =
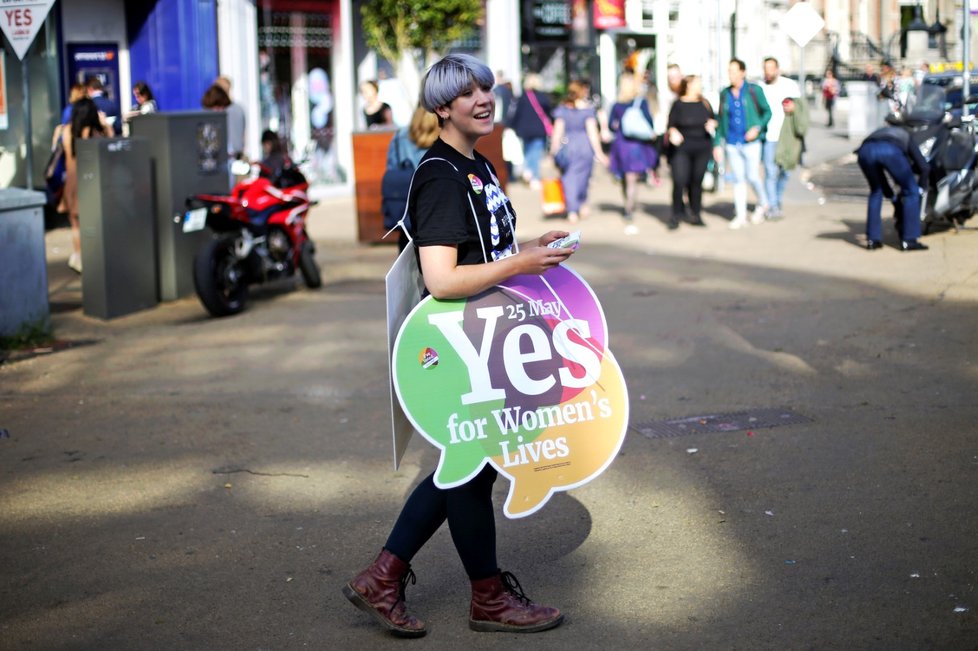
x=451, y=77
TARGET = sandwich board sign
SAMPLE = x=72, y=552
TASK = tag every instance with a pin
x=519, y=377
x=21, y=20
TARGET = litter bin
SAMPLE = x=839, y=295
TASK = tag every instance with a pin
x=115, y=212
x=189, y=154
x=23, y=268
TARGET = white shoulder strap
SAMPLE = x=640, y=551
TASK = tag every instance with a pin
x=400, y=223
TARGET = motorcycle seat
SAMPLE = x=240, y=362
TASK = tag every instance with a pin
x=958, y=151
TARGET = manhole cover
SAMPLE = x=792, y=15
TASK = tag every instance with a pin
x=731, y=422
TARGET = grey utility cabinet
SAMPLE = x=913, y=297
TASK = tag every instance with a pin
x=23, y=268
x=115, y=212
x=189, y=153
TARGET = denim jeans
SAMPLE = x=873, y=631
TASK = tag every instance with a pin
x=775, y=177
x=876, y=156
x=532, y=155
x=744, y=163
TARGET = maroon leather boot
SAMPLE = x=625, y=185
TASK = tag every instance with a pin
x=379, y=591
x=498, y=604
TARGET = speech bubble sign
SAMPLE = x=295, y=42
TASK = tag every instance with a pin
x=520, y=377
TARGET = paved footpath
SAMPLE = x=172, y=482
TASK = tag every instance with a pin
x=172, y=481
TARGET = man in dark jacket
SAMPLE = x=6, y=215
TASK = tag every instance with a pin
x=890, y=149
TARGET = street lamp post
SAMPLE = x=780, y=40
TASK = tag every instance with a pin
x=966, y=56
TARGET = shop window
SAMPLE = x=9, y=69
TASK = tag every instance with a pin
x=295, y=53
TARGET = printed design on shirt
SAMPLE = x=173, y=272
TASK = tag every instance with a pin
x=494, y=197
x=476, y=183
x=495, y=234
x=500, y=224
x=494, y=231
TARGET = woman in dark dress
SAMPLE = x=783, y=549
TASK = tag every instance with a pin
x=690, y=133
x=631, y=158
x=466, y=245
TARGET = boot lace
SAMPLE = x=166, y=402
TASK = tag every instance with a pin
x=513, y=587
x=408, y=577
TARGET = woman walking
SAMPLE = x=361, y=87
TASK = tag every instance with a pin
x=86, y=122
x=830, y=90
x=631, y=157
x=463, y=230
x=531, y=122
x=690, y=132
x=576, y=143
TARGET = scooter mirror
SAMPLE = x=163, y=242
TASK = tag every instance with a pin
x=240, y=168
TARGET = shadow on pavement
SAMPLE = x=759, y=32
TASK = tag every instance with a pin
x=854, y=531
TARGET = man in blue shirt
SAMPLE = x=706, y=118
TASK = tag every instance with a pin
x=96, y=92
x=744, y=114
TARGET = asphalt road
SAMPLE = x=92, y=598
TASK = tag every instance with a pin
x=171, y=481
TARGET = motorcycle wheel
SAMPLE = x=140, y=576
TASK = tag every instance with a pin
x=308, y=266
x=219, y=279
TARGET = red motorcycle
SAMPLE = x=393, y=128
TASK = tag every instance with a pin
x=260, y=235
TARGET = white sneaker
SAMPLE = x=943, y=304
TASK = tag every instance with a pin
x=738, y=222
x=631, y=229
x=757, y=217
x=74, y=262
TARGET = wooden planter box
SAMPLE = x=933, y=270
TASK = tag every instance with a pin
x=369, y=162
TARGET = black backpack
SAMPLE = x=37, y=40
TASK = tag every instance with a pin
x=394, y=187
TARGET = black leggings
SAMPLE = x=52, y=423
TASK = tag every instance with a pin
x=471, y=521
x=688, y=167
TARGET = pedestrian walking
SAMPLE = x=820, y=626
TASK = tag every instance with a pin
x=744, y=114
x=830, y=90
x=665, y=100
x=87, y=121
x=777, y=88
x=690, y=132
x=575, y=145
x=463, y=227
x=791, y=143
x=890, y=149
x=532, y=123
x=633, y=154
x=237, y=120
x=55, y=171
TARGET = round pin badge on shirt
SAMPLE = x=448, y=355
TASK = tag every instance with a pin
x=476, y=183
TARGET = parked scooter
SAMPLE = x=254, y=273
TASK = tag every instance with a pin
x=950, y=145
x=260, y=235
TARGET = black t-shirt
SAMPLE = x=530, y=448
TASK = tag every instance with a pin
x=441, y=212
x=690, y=120
x=378, y=118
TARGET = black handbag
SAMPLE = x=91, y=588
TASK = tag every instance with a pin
x=394, y=188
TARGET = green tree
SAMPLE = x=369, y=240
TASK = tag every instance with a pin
x=410, y=34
